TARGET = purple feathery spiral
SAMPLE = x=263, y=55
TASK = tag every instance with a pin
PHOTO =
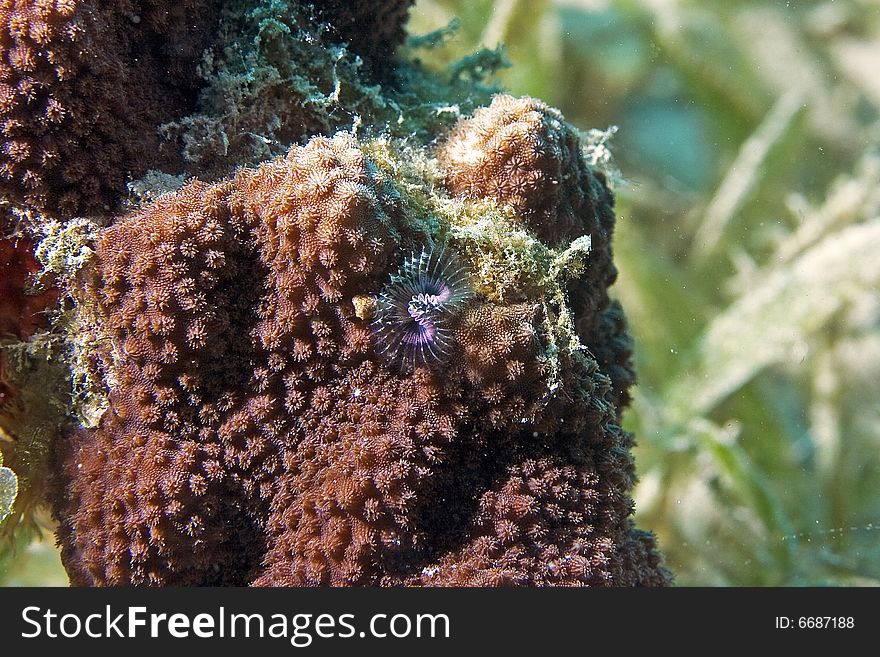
x=417, y=307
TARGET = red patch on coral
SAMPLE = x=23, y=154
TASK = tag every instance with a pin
x=22, y=311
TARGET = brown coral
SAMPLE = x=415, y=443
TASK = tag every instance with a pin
x=502, y=357
x=254, y=435
x=550, y=517
x=83, y=86
x=348, y=509
x=221, y=308
x=522, y=153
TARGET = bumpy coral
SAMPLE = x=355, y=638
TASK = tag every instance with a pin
x=255, y=434
x=193, y=293
x=503, y=358
x=83, y=86
x=543, y=521
x=520, y=152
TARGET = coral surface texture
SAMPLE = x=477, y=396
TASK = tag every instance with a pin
x=368, y=341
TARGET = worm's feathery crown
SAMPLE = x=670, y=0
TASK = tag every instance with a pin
x=418, y=305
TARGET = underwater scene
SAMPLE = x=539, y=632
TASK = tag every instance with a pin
x=439, y=293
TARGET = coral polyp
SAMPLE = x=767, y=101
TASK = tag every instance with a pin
x=417, y=308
